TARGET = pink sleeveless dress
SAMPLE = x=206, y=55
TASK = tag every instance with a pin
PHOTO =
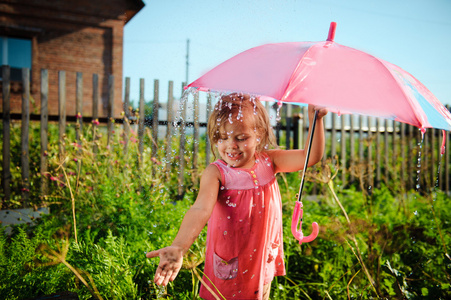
x=244, y=236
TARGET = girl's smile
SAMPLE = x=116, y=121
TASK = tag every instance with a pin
x=238, y=143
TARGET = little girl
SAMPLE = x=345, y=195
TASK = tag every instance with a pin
x=240, y=199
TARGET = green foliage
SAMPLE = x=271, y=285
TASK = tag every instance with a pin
x=109, y=206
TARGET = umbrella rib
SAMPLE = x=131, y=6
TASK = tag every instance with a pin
x=283, y=98
x=419, y=119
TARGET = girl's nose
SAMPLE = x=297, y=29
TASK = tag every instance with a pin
x=232, y=144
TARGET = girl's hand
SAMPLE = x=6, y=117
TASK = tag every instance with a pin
x=171, y=259
x=322, y=111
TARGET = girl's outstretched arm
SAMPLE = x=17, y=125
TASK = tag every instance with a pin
x=196, y=217
x=293, y=160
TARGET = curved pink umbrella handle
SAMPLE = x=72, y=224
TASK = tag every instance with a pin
x=297, y=220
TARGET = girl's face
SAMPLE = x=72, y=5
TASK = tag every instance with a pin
x=237, y=143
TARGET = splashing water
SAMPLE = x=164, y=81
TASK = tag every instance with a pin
x=279, y=106
x=161, y=291
x=420, y=147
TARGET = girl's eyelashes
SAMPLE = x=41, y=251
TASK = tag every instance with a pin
x=238, y=138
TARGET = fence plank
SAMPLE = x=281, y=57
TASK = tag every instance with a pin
x=394, y=153
x=196, y=132
x=156, y=94
x=352, y=157
x=343, y=151
x=208, y=146
x=170, y=126
x=126, y=114
x=110, y=111
x=44, y=131
x=433, y=155
x=142, y=116
x=25, y=145
x=6, y=170
x=447, y=159
x=305, y=125
x=333, y=146
x=370, y=153
x=409, y=183
x=79, y=107
x=378, y=153
x=61, y=114
x=288, y=119
x=182, y=128
x=386, y=149
x=360, y=170
x=95, y=110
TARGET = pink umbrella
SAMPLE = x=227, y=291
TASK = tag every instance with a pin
x=343, y=79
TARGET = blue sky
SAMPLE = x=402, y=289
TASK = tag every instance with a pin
x=413, y=34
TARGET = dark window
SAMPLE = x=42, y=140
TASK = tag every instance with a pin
x=16, y=53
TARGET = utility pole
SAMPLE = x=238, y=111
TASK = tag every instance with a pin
x=187, y=60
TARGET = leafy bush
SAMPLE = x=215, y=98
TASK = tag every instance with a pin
x=109, y=206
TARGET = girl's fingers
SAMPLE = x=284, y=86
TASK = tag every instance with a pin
x=173, y=276
x=164, y=277
x=153, y=254
x=167, y=277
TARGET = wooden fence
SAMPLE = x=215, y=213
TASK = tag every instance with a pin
x=367, y=151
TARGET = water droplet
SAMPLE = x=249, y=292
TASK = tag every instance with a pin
x=225, y=232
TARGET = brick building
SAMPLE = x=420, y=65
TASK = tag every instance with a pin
x=74, y=36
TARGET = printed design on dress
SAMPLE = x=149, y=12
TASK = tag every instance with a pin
x=273, y=252
x=224, y=269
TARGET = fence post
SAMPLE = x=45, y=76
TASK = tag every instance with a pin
x=288, y=118
x=361, y=152
x=403, y=154
x=6, y=171
x=79, y=107
x=126, y=123
x=25, y=146
x=410, y=170
x=333, y=146
x=447, y=167
x=44, y=130
x=378, y=153
x=61, y=114
x=181, y=171
x=297, y=129
x=352, y=146
x=95, y=111
x=110, y=109
x=170, y=127
x=343, y=151
x=394, y=155
x=386, y=149
x=370, y=153
x=208, y=145
x=155, y=121
x=196, y=132
x=141, y=122
x=305, y=125
x=433, y=157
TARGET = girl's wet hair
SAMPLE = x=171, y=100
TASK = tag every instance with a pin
x=235, y=107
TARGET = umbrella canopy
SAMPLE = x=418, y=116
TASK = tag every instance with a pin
x=343, y=79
